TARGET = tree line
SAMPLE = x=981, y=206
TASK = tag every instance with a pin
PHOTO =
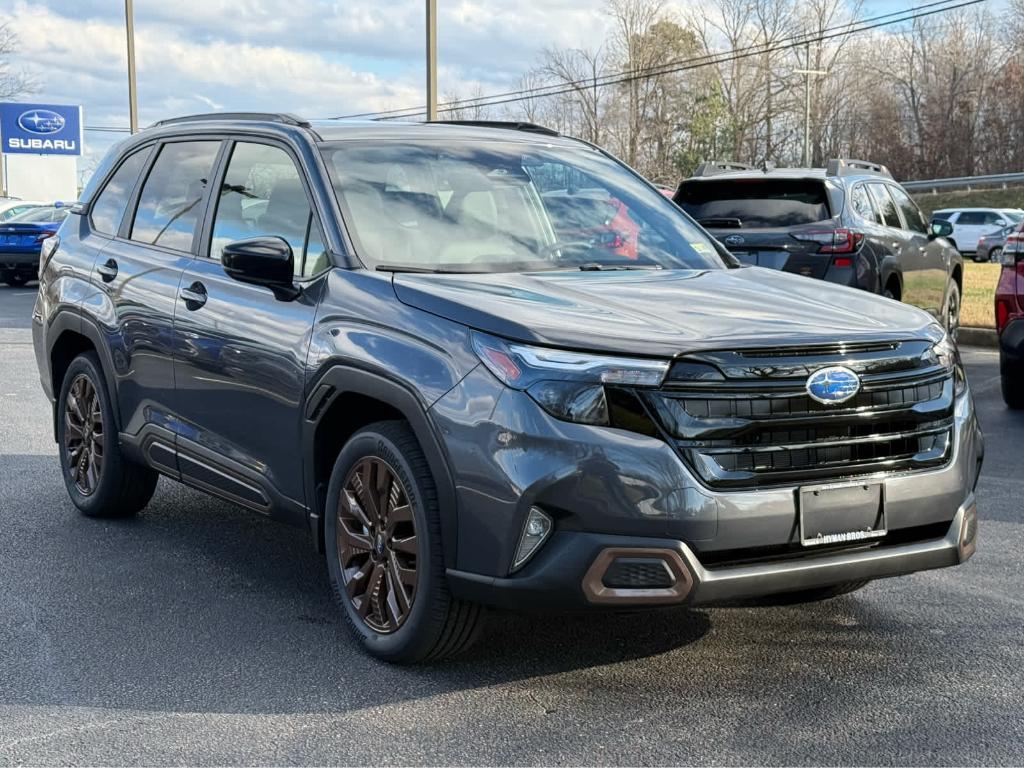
x=941, y=95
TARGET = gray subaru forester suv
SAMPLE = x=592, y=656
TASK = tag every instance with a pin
x=488, y=366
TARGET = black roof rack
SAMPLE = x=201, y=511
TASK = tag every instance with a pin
x=265, y=117
x=714, y=167
x=839, y=166
x=510, y=125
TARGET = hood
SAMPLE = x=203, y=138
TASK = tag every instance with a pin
x=661, y=313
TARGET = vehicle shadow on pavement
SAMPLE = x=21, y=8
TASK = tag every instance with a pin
x=198, y=605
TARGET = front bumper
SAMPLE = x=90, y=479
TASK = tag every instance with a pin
x=571, y=576
x=609, y=488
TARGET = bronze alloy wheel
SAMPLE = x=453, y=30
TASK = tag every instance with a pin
x=377, y=545
x=83, y=435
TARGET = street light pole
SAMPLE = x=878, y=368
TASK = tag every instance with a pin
x=133, y=106
x=431, y=59
x=808, y=73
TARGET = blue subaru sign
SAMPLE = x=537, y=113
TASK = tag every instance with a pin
x=41, y=129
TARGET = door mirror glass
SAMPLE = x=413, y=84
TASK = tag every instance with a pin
x=264, y=261
x=940, y=228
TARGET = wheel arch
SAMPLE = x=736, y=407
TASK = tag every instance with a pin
x=70, y=335
x=342, y=401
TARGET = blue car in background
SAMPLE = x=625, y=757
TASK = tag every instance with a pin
x=21, y=240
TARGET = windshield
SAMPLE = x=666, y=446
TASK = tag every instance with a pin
x=504, y=207
x=755, y=203
x=1015, y=216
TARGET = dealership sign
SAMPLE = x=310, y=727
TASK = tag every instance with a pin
x=41, y=129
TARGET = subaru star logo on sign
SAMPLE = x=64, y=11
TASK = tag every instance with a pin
x=41, y=129
x=735, y=240
x=833, y=385
x=41, y=121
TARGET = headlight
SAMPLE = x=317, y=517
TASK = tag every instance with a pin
x=945, y=353
x=568, y=385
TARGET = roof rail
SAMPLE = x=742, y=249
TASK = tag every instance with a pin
x=714, y=167
x=839, y=166
x=510, y=125
x=265, y=117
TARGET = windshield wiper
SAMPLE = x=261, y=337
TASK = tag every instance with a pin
x=593, y=266
x=424, y=270
x=720, y=223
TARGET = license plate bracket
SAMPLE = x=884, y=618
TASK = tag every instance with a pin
x=840, y=513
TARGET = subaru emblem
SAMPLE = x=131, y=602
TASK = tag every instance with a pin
x=833, y=385
x=41, y=121
x=735, y=240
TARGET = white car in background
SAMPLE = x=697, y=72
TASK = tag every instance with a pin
x=10, y=207
x=971, y=224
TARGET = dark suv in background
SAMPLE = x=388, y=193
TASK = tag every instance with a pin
x=849, y=223
x=377, y=332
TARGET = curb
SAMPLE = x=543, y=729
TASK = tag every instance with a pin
x=977, y=337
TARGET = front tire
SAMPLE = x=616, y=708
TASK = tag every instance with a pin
x=382, y=532
x=100, y=480
x=995, y=255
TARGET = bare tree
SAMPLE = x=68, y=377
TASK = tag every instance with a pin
x=578, y=71
x=12, y=83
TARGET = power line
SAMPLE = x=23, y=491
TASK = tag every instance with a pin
x=842, y=30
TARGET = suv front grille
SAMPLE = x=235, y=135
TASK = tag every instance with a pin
x=758, y=426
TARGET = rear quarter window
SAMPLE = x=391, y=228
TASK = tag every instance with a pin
x=755, y=203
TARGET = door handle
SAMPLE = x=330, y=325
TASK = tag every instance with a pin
x=195, y=295
x=107, y=270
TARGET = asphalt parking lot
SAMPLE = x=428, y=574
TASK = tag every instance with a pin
x=200, y=633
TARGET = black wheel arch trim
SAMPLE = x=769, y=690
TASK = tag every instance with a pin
x=71, y=320
x=339, y=380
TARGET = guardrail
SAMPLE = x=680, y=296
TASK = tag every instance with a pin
x=965, y=182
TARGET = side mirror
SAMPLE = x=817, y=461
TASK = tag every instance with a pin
x=940, y=228
x=265, y=261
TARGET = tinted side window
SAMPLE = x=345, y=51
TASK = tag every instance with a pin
x=943, y=215
x=991, y=217
x=861, y=202
x=911, y=214
x=885, y=205
x=262, y=194
x=110, y=205
x=970, y=218
x=170, y=205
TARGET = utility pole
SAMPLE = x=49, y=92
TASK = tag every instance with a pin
x=133, y=105
x=808, y=73
x=431, y=59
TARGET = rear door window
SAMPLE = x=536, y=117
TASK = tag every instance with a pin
x=911, y=213
x=110, y=205
x=885, y=205
x=970, y=219
x=170, y=206
x=754, y=203
x=861, y=202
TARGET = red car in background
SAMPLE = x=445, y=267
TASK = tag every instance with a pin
x=595, y=218
x=1010, y=319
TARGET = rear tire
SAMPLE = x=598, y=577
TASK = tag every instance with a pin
x=1013, y=391
x=382, y=532
x=995, y=255
x=951, y=310
x=100, y=480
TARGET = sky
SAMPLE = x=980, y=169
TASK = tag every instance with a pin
x=316, y=58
